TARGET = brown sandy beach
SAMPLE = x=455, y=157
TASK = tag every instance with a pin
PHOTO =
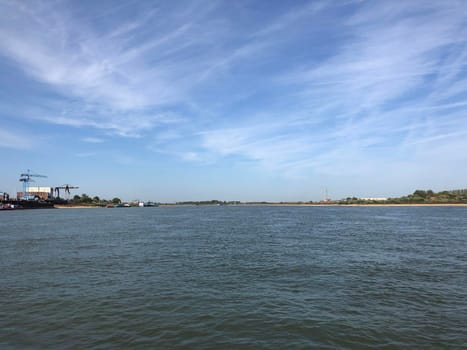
x=61, y=206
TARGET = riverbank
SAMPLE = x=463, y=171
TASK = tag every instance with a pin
x=406, y=205
x=60, y=206
x=321, y=205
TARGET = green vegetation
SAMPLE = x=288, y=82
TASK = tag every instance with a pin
x=85, y=200
x=418, y=197
x=430, y=197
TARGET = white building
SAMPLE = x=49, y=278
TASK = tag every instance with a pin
x=374, y=199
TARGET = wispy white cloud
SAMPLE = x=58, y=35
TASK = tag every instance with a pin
x=122, y=125
x=397, y=83
x=189, y=156
x=273, y=148
x=290, y=18
x=389, y=82
x=92, y=140
x=121, y=76
x=16, y=139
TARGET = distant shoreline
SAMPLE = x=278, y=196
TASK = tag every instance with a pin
x=285, y=205
x=350, y=205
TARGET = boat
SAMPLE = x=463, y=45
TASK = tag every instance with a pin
x=25, y=204
x=7, y=206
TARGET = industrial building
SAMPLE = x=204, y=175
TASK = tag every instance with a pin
x=40, y=192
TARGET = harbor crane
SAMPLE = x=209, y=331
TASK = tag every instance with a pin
x=67, y=188
x=26, y=178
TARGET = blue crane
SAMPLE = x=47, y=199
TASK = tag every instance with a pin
x=26, y=178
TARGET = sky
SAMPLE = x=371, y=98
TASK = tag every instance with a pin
x=234, y=100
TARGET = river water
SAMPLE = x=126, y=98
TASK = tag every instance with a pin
x=234, y=278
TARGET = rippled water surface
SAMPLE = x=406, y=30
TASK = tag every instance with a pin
x=234, y=278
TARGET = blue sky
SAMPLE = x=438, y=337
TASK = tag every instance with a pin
x=234, y=100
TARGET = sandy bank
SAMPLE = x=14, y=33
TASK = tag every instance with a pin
x=59, y=206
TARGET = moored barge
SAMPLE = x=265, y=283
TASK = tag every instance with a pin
x=25, y=204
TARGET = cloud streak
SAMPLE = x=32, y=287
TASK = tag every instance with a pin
x=314, y=88
x=397, y=82
x=15, y=140
x=118, y=75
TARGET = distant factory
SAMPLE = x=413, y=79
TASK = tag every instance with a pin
x=41, y=192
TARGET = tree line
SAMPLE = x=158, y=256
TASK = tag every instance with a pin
x=84, y=199
x=418, y=197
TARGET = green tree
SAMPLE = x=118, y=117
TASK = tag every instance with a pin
x=420, y=193
x=85, y=198
x=116, y=200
